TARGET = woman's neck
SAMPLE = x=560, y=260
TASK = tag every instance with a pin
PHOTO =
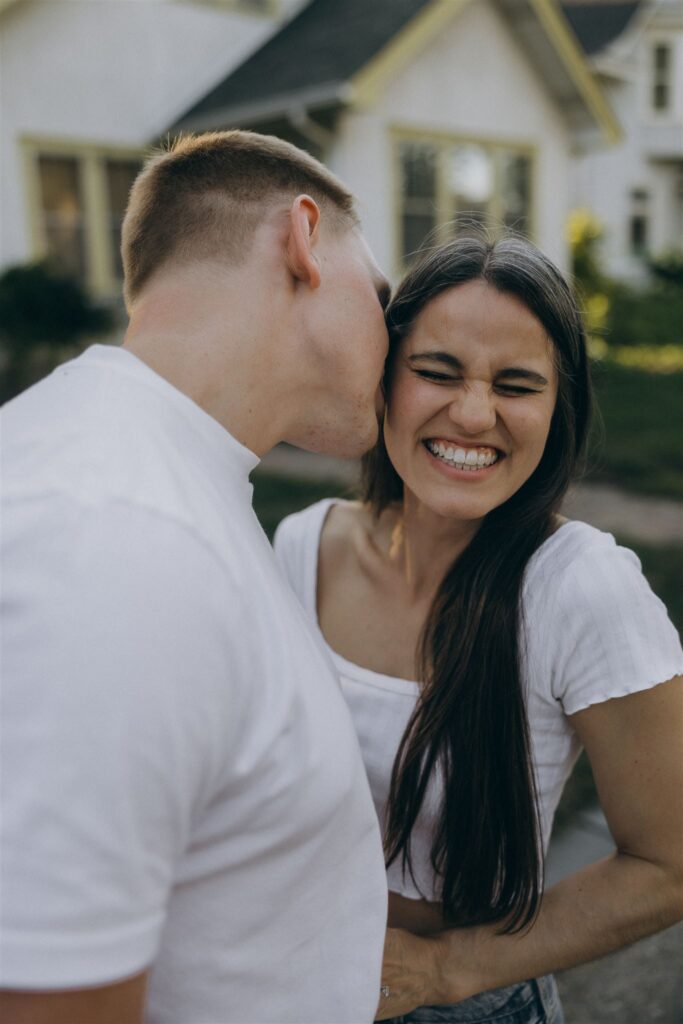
x=421, y=544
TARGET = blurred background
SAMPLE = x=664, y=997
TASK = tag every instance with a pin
x=561, y=120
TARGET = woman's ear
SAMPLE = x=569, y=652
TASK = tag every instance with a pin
x=304, y=229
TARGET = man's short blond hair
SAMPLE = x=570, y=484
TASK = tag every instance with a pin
x=203, y=197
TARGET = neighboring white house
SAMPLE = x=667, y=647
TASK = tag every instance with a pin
x=426, y=108
x=635, y=188
x=85, y=86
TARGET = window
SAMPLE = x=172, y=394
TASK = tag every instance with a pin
x=120, y=177
x=78, y=197
x=418, y=189
x=62, y=212
x=444, y=184
x=638, y=222
x=661, y=77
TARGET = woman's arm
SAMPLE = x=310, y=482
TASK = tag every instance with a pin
x=635, y=745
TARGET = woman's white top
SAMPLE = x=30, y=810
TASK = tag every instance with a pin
x=592, y=630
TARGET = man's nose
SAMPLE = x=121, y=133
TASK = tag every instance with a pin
x=474, y=409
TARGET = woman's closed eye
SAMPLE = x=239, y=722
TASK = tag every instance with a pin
x=438, y=378
x=513, y=390
x=517, y=389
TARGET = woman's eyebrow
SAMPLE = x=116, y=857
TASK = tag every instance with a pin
x=520, y=373
x=437, y=357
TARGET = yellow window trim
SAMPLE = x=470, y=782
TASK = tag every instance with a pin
x=409, y=133
x=101, y=277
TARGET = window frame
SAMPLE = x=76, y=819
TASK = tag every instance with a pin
x=656, y=79
x=494, y=146
x=101, y=278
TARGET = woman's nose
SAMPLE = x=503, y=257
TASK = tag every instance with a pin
x=474, y=409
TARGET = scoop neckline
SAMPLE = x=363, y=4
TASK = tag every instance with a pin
x=350, y=669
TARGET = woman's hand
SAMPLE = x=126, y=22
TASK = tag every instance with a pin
x=410, y=973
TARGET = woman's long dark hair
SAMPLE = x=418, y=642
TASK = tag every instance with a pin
x=470, y=720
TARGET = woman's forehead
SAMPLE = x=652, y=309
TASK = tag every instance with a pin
x=475, y=318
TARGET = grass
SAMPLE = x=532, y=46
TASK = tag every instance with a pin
x=276, y=497
x=638, y=444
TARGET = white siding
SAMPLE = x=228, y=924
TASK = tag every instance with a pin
x=473, y=81
x=112, y=71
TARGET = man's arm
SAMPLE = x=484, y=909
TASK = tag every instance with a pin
x=120, y=1003
x=634, y=745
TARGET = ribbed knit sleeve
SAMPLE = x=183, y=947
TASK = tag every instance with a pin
x=604, y=632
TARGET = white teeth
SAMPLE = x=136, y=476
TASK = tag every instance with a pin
x=470, y=459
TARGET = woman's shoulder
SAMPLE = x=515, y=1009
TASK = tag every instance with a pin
x=573, y=549
x=593, y=627
x=322, y=527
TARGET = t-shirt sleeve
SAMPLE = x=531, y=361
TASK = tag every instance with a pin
x=611, y=635
x=285, y=547
x=110, y=653
x=296, y=543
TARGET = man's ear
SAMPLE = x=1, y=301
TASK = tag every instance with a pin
x=304, y=229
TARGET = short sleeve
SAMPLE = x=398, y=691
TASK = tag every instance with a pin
x=111, y=649
x=609, y=635
x=296, y=544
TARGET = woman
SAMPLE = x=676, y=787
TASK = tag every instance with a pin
x=482, y=640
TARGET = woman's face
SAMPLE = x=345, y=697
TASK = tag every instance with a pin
x=470, y=400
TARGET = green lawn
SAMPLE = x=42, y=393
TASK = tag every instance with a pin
x=275, y=497
x=636, y=441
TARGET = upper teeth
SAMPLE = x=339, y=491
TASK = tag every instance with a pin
x=471, y=457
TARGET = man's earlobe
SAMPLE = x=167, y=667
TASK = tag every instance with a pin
x=304, y=227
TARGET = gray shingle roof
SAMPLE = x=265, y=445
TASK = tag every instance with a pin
x=326, y=43
x=596, y=22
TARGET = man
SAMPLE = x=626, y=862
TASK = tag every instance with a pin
x=188, y=833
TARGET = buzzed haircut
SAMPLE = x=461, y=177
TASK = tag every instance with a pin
x=203, y=197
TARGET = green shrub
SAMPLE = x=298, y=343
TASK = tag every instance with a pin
x=668, y=268
x=44, y=317
x=653, y=317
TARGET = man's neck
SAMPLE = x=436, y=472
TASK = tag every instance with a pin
x=213, y=355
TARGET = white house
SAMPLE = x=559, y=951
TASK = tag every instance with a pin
x=426, y=108
x=636, y=187
x=85, y=86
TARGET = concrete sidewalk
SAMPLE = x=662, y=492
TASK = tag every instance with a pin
x=651, y=520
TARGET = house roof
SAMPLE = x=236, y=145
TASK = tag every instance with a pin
x=321, y=48
x=596, y=23
x=333, y=51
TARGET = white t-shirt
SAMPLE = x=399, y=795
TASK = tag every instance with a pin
x=592, y=630
x=182, y=782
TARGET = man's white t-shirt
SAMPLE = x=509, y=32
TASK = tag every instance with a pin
x=182, y=785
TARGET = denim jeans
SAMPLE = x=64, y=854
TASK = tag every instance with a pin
x=530, y=1002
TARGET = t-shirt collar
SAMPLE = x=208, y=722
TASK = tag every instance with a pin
x=123, y=361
